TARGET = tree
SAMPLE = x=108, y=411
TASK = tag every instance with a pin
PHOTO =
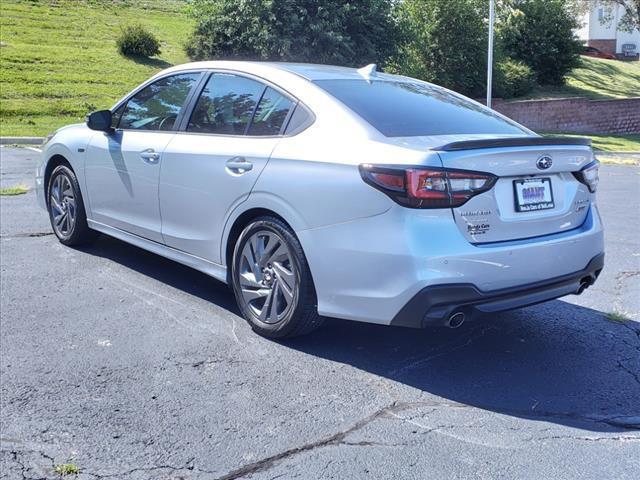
x=540, y=33
x=344, y=32
x=630, y=18
x=444, y=42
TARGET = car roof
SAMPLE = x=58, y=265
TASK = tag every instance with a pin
x=313, y=72
x=308, y=71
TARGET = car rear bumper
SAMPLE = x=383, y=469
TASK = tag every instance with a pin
x=371, y=268
x=436, y=304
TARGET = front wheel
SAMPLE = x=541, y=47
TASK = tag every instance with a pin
x=272, y=282
x=66, y=208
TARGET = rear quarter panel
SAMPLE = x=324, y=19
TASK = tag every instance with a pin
x=315, y=176
x=313, y=182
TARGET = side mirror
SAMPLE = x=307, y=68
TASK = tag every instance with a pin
x=100, y=120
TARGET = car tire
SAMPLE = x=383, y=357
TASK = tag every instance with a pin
x=272, y=282
x=66, y=208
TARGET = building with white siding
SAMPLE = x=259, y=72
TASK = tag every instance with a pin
x=601, y=29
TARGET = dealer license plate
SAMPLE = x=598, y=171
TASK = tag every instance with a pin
x=533, y=194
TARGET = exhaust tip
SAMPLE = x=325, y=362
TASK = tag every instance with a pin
x=455, y=320
x=585, y=283
x=583, y=286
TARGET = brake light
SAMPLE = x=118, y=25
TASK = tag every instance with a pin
x=390, y=181
x=589, y=175
x=418, y=187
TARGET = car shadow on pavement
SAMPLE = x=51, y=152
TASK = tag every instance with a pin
x=555, y=362
x=164, y=270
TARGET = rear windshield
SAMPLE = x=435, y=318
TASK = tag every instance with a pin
x=407, y=109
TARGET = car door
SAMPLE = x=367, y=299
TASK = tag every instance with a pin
x=122, y=169
x=211, y=165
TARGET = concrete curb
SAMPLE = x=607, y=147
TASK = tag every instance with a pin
x=21, y=140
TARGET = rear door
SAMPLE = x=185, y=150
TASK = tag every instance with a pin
x=211, y=165
x=535, y=194
x=123, y=168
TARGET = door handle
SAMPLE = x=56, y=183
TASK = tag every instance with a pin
x=239, y=165
x=150, y=156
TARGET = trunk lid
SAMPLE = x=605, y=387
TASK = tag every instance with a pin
x=535, y=193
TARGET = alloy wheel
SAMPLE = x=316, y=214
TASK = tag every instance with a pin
x=267, y=276
x=62, y=204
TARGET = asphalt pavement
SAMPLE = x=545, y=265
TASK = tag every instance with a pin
x=131, y=366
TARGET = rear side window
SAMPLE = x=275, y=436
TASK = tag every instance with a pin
x=156, y=107
x=226, y=105
x=300, y=119
x=404, y=109
x=271, y=113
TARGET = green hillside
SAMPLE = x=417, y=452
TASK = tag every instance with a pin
x=597, y=79
x=58, y=59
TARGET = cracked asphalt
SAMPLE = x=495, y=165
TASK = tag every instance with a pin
x=134, y=367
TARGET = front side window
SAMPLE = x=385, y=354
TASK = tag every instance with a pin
x=156, y=107
x=116, y=114
x=404, y=109
x=226, y=105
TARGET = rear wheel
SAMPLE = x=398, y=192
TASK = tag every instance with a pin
x=272, y=282
x=66, y=208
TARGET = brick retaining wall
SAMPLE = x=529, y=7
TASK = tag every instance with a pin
x=604, y=45
x=578, y=115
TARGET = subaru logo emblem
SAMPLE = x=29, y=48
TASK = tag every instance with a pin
x=544, y=162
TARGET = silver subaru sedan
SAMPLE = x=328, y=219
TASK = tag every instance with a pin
x=320, y=191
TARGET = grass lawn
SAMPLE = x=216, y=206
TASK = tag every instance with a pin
x=618, y=143
x=11, y=191
x=597, y=79
x=609, y=143
x=59, y=60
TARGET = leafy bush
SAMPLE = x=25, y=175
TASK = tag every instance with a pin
x=444, y=42
x=136, y=41
x=540, y=33
x=512, y=79
x=348, y=32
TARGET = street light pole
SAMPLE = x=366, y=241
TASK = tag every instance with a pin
x=490, y=53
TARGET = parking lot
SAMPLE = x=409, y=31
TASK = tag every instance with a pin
x=132, y=366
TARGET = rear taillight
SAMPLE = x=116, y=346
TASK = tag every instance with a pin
x=589, y=175
x=418, y=187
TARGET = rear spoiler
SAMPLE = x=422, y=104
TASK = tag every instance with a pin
x=513, y=142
